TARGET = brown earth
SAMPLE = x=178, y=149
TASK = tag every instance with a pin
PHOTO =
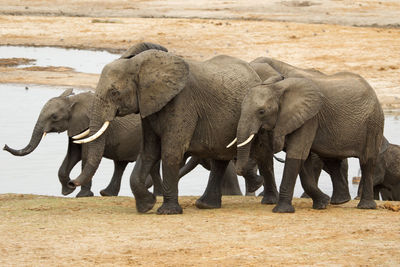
x=48, y=231
x=39, y=230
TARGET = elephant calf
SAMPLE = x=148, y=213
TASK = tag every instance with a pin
x=387, y=173
x=68, y=112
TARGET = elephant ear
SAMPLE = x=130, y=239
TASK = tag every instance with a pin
x=67, y=92
x=79, y=120
x=161, y=77
x=141, y=47
x=300, y=101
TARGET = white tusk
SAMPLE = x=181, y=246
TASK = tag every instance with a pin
x=81, y=135
x=95, y=136
x=44, y=134
x=232, y=143
x=247, y=141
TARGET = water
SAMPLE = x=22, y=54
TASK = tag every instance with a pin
x=37, y=173
x=80, y=60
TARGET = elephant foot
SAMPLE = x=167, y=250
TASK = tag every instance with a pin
x=304, y=195
x=269, y=198
x=169, y=208
x=146, y=203
x=340, y=198
x=85, y=193
x=66, y=190
x=208, y=202
x=253, y=184
x=321, y=202
x=283, y=207
x=108, y=192
x=366, y=204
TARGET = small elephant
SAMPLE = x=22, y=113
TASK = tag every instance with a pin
x=336, y=117
x=386, y=178
x=69, y=112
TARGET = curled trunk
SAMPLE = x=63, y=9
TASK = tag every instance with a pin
x=33, y=143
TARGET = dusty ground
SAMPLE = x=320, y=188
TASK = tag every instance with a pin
x=51, y=231
x=106, y=231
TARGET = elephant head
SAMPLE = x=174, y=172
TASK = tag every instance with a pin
x=281, y=107
x=141, y=83
x=55, y=116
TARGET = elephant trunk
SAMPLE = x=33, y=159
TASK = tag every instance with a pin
x=36, y=137
x=245, y=136
x=95, y=149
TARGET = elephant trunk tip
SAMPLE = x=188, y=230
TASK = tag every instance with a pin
x=6, y=148
x=72, y=184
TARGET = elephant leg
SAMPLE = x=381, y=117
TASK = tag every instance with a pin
x=230, y=184
x=85, y=188
x=317, y=165
x=309, y=184
x=270, y=193
x=290, y=172
x=72, y=157
x=211, y=198
x=367, y=193
x=298, y=145
x=114, y=186
x=156, y=178
x=337, y=169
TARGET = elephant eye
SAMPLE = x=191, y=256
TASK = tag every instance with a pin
x=54, y=117
x=261, y=112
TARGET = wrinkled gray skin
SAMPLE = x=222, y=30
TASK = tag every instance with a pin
x=187, y=107
x=386, y=178
x=274, y=70
x=69, y=112
x=336, y=117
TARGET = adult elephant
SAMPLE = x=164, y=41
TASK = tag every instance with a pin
x=318, y=114
x=187, y=107
x=69, y=112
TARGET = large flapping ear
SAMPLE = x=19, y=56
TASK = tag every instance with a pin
x=67, y=92
x=79, y=120
x=141, y=47
x=384, y=146
x=300, y=100
x=161, y=77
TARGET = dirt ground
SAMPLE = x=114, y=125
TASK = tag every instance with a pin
x=39, y=230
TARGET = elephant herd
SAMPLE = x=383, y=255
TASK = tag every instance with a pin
x=229, y=115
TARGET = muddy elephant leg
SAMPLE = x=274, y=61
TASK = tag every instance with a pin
x=290, y=172
x=230, y=184
x=317, y=165
x=298, y=145
x=211, y=199
x=85, y=188
x=367, y=193
x=309, y=184
x=114, y=186
x=337, y=169
x=156, y=178
x=270, y=193
x=72, y=157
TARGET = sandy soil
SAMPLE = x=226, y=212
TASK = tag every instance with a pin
x=38, y=230
x=49, y=231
